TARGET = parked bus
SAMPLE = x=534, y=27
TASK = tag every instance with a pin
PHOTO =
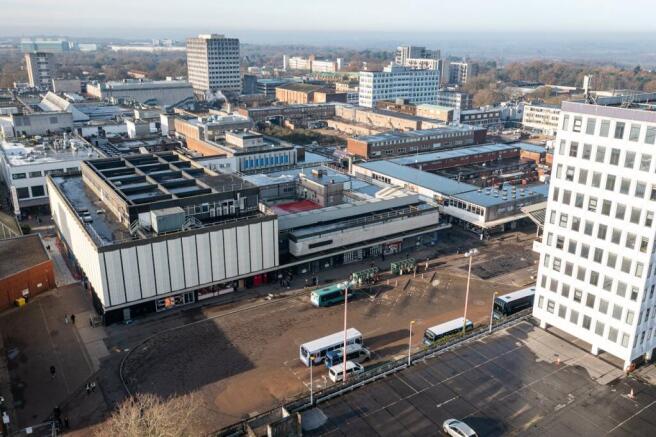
x=514, y=302
x=336, y=373
x=318, y=348
x=330, y=295
x=354, y=352
x=445, y=329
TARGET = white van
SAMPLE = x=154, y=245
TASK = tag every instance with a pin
x=336, y=372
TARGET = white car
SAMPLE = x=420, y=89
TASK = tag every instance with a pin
x=456, y=428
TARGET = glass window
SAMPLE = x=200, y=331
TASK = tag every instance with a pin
x=600, y=154
x=587, y=230
x=16, y=176
x=559, y=171
x=561, y=147
x=565, y=122
x=578, y=201
x=610, y=182
x=567, y=197
x=619, y=130
x=601, y=232
x=583, y=176
x=563, y=220
x=578, y=295
x=23, y=193
x=634, y=294
x=555, y=193
x=590, y=300
x=560, y=242
x=625, y=340
x=639, y=270
x=617, y=312
x=635, y=215
x=587, y=151
x=576, y=223
x=615, y=156
x=597, y=255
x=634, y=133
x=612, y=334
x=573, y=149
x=578, y=123
x=625, y=185
x=580, y=273
x=540, y=301
x=649, y=218
x=590, y=126
x=650, y=135
x=594, y=278
x=564, y=290
x=562, y=311
x=626, y=265
x=629, y=159
x=645, y=162
x=612, y=260
x=603, y=306
x=630, y=240
x=640, y=189
x=599, y=328
x=616, y=236
x=605, y=127
x=550, y=306
x=621, y=289
x=574, y=316
x=569, y=267
x=586, y=322
x=592, y=204
x=620, y=211
x=644, y=244
x=38, y=191
x=35, y=174
x=569, y=175
x=629, y=317
x=556, y=267
x=596, y=179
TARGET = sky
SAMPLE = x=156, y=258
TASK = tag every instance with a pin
x=178, y=18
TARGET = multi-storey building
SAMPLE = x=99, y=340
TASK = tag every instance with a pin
x=40, y=68
x=213, y=64
x=405, y=53
x=311, y=64
x=461, y=72
x=418, y=86
x=490, y=116
x=541, y=118
x=460, y=101
x=154, y=92
x=596, y=278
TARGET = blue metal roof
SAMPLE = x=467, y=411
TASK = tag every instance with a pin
x=455, y=153
x=430, y=181
x=530, y=147
x=487, y=197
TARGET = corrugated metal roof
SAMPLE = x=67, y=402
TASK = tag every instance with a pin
x=455, y=153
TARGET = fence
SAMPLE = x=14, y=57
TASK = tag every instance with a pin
x=302, y=402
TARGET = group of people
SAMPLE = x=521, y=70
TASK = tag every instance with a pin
x=71, y=319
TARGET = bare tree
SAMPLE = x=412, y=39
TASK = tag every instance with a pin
x=149, y=415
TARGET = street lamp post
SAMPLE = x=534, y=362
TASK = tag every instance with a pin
x=410, y=343
x=469, y=254
x=494, y=296
x=346, y=288
x=311, y=380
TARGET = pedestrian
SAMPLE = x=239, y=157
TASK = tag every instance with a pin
x=52, y=371
x=66, y=319
x=88, y=388
x=73, y=319
x=66, y=423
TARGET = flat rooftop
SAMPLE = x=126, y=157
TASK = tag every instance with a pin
x=633, y=106
x=455, y=153
x=302, y=87
x=530, y=147
x=508, y=383
x=488, y=197
x=56, y=150
x=430, y=181
x=417, y=134
x=21, y=253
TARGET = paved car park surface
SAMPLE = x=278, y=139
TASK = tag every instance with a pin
x=518, y=381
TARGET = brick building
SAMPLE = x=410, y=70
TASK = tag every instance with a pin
x=25, y=270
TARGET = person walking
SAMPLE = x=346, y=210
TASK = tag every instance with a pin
x=52, y=371
x=66, y=319
x=73, y=319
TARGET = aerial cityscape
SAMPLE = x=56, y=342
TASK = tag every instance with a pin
x=348, y=218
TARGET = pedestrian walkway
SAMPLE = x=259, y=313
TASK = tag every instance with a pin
x=40, y=337
x=63, y=274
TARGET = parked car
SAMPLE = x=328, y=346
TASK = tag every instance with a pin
x=457, y=428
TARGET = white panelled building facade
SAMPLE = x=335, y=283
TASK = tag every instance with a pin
x=597, y=270
x=395, y=81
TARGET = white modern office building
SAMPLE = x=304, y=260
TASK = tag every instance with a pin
x=596, y=278
x=40, y=68
x=213, y=64
x=541, y=118
x=461, y=72
x=395, y=81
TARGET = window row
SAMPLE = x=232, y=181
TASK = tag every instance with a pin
x=607, y=128
x=628, y=160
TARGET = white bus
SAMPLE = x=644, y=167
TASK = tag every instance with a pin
x=318, y=348
x=336, y=373
x=445, y=329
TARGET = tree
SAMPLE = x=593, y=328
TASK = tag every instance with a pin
x=149, y=415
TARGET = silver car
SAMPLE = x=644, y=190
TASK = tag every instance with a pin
x=456, y=428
